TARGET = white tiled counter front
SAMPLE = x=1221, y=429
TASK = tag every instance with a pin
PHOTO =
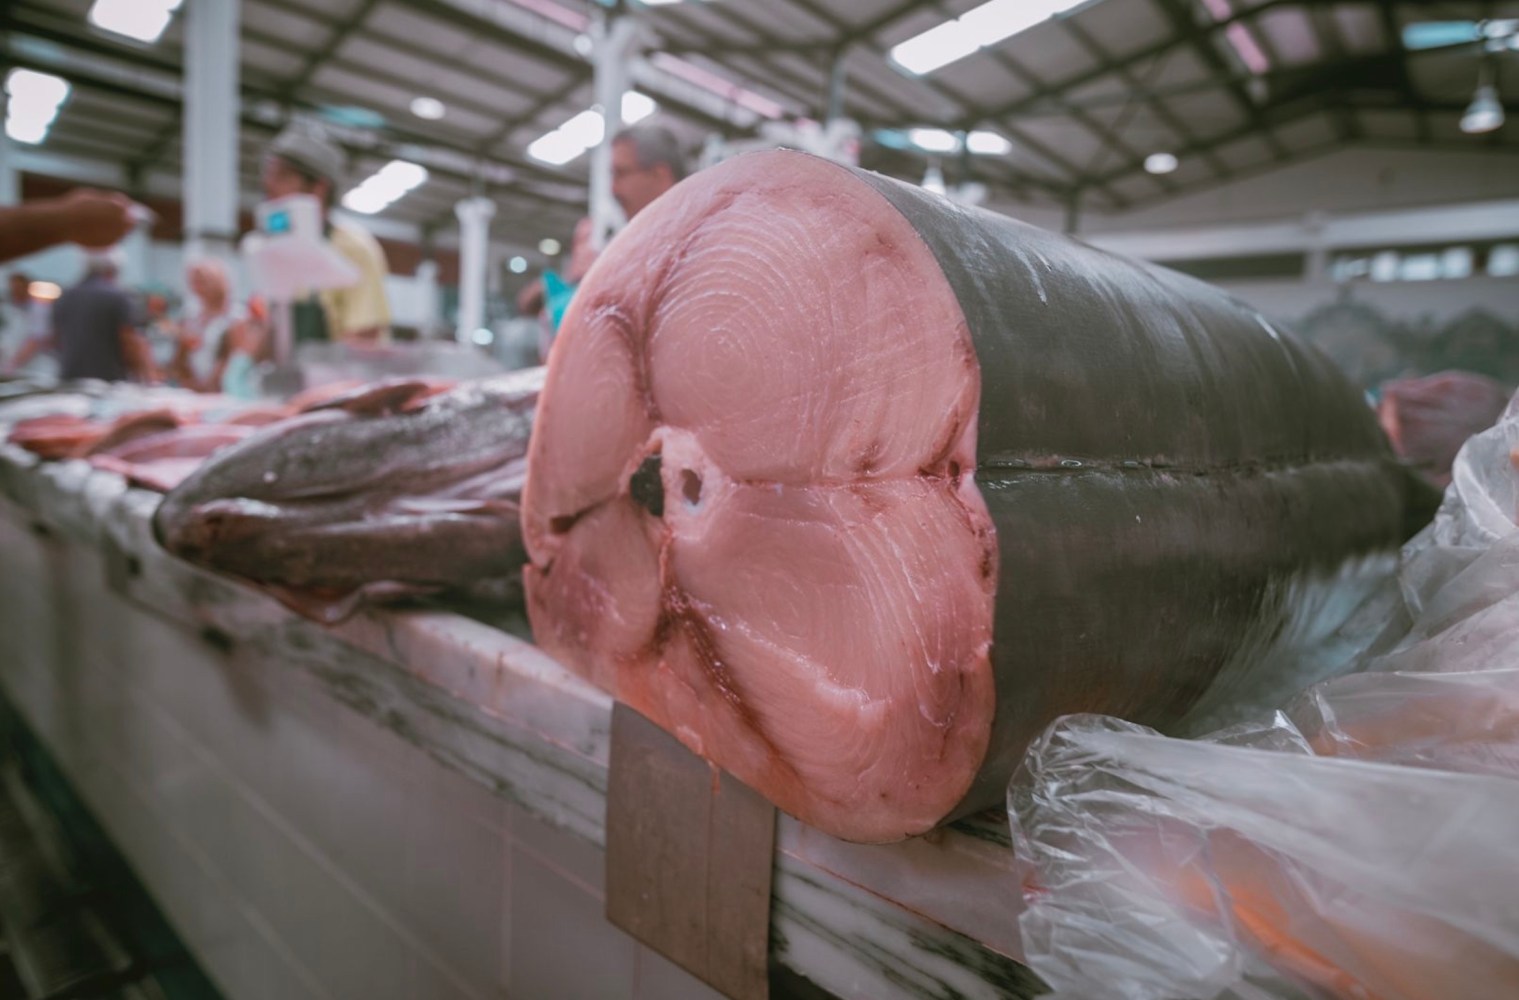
x=407, y=805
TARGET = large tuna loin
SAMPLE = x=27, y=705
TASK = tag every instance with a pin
x=854, y=490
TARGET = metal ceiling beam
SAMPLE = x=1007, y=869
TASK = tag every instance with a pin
x=108, y=119
x=804, y=90
x=885, y=19
x=1201, y=38
x=1132, y=60
x=340, y=34
x=846, y=31
x=881, y=97
x=1041, y=149
x=153, y=61
x=875, y=94
x=1327, y=31
x=499, y=34
x=368, y=34
x=1142, y=91
x=1047, y=109
x=1281, y=115
x=771, y=44
x=86, y=80
x=492, y=31
x=751, y=49
x=1294, y=157
x=330, y=21
x=1075, y=178
x=112, y=129
x=1388, y=19
x=1104, y=135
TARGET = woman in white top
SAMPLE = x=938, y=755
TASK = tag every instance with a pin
x=212, y=332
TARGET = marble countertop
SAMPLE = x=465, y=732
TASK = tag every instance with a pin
x=932, y=917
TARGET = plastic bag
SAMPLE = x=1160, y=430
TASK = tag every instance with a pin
x=1361, y=843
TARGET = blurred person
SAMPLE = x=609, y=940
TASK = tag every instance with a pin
x=27, y=318
x=92, y=330
x=93, y=219
x=210, y=332
x=160, y=330
x=647, y=161
x=302, y=160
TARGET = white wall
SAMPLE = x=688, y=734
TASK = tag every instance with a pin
x=1358, y=197
x=1435, y=302
x=1358, y=179
x=1447, y=223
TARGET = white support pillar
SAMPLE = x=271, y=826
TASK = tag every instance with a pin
x=10, y=177
x=210, y=128
x=1316, y=261
x=134, y=252
x=427, y=298
x=475, y=216
x=614, y=41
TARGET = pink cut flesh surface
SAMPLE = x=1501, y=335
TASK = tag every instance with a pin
x=801, y=586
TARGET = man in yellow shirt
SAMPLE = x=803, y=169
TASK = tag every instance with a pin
x=302, y=160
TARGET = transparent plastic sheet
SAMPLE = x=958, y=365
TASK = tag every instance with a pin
x=1361, y=843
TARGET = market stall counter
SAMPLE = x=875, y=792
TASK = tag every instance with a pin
x=411, y=803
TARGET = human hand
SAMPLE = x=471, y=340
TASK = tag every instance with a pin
x=530, y=299
x=94, y=218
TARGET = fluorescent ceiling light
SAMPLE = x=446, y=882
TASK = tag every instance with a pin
x=586, y=130
x=1161, y=163
x=1240, y=38
x=935, y=48
x=977, y=28
x=636, y=107
x=429, y=108
x=548, y=246
x=934, y=140
x=517, y=265
x=144, y=20
x=382, y=188
x=1247, y=48
x=938, y=140
x=569, y=140
x=33, y=104
x=988, y=143
x=1485, y=113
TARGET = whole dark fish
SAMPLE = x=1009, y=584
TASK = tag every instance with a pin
x=392, y=488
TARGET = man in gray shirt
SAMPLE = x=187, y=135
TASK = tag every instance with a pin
x=93, y=335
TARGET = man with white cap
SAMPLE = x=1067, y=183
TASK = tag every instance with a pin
x=93, y=335
x=302, y=160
